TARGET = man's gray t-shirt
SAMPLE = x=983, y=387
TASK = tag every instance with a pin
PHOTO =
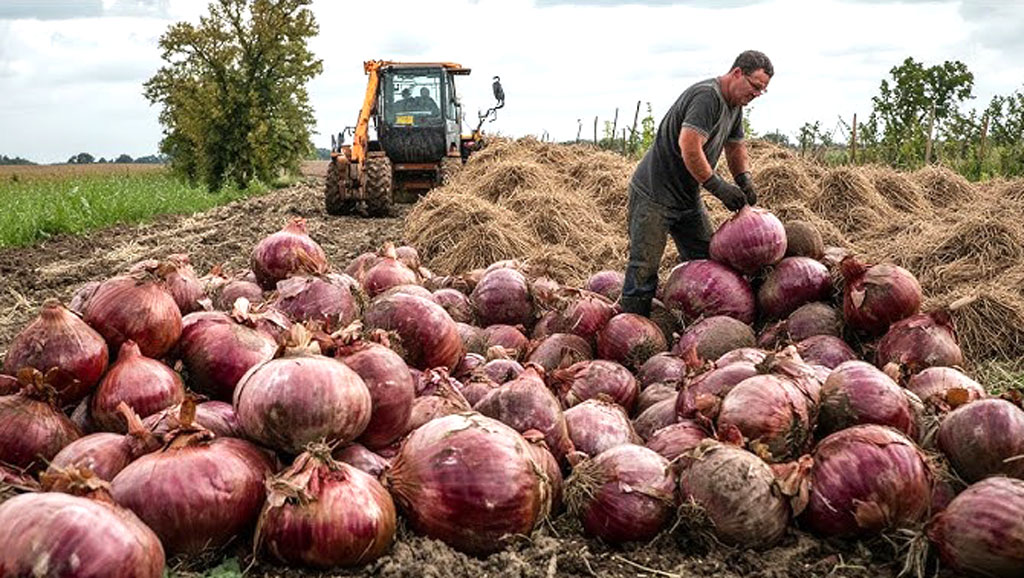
x=661, y=174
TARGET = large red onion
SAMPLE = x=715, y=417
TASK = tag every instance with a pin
x=752, y=238
x=198, y=492
x=920, y=341
x=442, y=398
x=659, y=415
x=391, y=390
x=56, y=534
x=737, y=493
x=981, y=532
x=703, y=394
x=653, y=394
x=501, y=369
x=456, y=303
x=584, y=314
x=591, y=379
x=803, y=239
x=329, y=299
x=106, y=454
x=179, y=279
x=292, y=401
x=469, y=481
x=32, y=429
x=772, y=413
x=812, y=319
x=560, y=350
x=387, y=272
x=235, y=289
x=866, y=479
x=630, y=339
x=507, y=337
x=704, y=288
x=321, y=513
x=827, y=350
x=217, y=351
x=145, y=384
x=715, y=336
x=287, y=252
x=503, y=296
x=596, y=425
x=216, y=416
x=945, y=388
x=794, y=282
x=606, y=283
x=677, y=439
x=59, y=339
x=428, y=336
x=135, y=308
x=874, y=297
x=984, y=438
x=856, y=392
x=661, y=368
x=624, y=494
x=358, y=456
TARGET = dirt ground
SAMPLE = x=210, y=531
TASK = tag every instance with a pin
x=57, y=267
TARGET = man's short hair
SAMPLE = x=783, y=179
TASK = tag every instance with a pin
x=424, y=91
x=750, y=61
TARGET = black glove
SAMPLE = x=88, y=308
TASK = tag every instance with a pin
x=731, y=196
x=747, y=184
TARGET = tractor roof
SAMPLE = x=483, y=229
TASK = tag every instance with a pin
x=449, y=66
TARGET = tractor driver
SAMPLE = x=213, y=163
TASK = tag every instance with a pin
x=407, y=103
x=426, y=103
x=664, y=193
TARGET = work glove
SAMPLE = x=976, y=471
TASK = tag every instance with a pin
x=747, y=184
x=731, y=196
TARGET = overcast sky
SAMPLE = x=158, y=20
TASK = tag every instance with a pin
x=71, y=72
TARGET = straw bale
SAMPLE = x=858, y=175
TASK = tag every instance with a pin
x=504, y=176
x=989, y=320
x=1012, y=190
x=798, y=211
x=848, y=199
x=560, y=216
x=943, y=188
x=782, y=182
x=899, y=191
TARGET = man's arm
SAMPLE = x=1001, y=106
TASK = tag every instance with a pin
x=736, y=156
x=691, y=143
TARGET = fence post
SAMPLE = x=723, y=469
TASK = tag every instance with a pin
x=632, y=131
x=615, y=125
x=579, y=129
x=984, y=139
x=853, y=141
x=595, y=131
x=931, y=127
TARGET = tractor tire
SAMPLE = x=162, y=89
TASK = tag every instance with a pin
x=450, y=168
x=379, y=187
x=337, y=197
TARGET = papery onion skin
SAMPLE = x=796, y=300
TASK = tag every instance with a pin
x=653, y=394
x=936, y=386
x=503, y=296
x=984, y=438
x=391, y=390
x=327, y=299
x=874, y=297
x=145, y=384
x=857, y=392
x=429, y=338
x=217, y=352
x=630, y=339
x=704, y=288
x=795, y=281
x=677, y=439
x=751, y=239
x=216, y=416
x=659, y=415
x=591, y=379
x=920, y=341
x=703, y=393
x=387, y=272
x=560, y=350
x=235, y=289
x=135, y=309
x=501, y=370
x=772, y=413
x=286, y=253
x=584, y=314
x=596, y=425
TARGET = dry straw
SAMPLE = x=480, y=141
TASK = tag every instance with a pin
x=989, y=320
x=899, y=191
x=782, y=182
x=848, y=200
x=943, y=188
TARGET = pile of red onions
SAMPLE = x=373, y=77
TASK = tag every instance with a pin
x=456, y=303
x=630, y=340
x=920, y=341
x=287, y=252
x=428, y=336
x=826, y=350
x=794, y=282
x=145, y=384
x=179, y=279
x=876, y=296
x=703, y=394
x=984, y=438
x=606, y=283
x=751, y=239
x=583, y=314
x=857, y=392
x=135, y=308
x=217, y=416
x=704, y=288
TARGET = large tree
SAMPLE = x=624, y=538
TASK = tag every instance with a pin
x=233, y=91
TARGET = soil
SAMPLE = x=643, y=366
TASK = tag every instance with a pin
x=225, y=235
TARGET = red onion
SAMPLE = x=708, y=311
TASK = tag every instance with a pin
x=606, y=283
x=9, y=384
x=590, y=379
x=749, y=240
x=596, y=425
x=503, y=296
x=866, y=479
x=543, y=327
x=32, y=429
x=920, y=341
x=715, y=336
x=807, y=378
x=877, y=296
x=328, y=299
x=981, y=532
x=287, y=252
x=741, y=355
x=704, y=288
x=812, y=319
x=387, y=272
x=59, y=339
x=179, y=279
x=583, y=314
x=624, y=494
x=456, y=303
x=772, y=413
x=216, y=416
x=677, y=439
x=55, y=534
x=469, y=335
x=505, y=336
x=135, y=308
x=444, y=399
x=542, y=456
x=358, y=267
x=292, y=401
x=526, y=403
x=469, y=364
x=391, y=390
x=236, y=289
x=409, y=256
x=826, y=350
x=660, y=368
x=106, y=454
x=804, y=240
x=653, y=394
x=659, y=415
x=856, y=392
x=322, y=513
x=560, y=350
x=945, y=388
x=630, y=339
x=198, y=492
x=984, y=438
x=145, y=384
x=737, y=493
x=501, y=370
x=217, y=351
x=428, y=336
x=358, y=456
x=794, y=282
x=81, y=418
x=469, y=481
x=476, y=387
x=82, y=295
x=410, y=289
x=703, y=394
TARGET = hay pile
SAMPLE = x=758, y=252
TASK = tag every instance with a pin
x=945, y=189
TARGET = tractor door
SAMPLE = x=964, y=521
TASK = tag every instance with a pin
x=453, y=116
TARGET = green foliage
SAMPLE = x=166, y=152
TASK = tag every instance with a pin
x=778, y=138
x=233, y=91
x=81, y=159
x=6, y=160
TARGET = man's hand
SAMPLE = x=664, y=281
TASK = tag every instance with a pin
x=731, y=196
x=747, y=184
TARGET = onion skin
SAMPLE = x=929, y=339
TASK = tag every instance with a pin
x=660, y=368
x=542, y=456
x=677, y=439
x=659, y=415
x=857, y=392
x=743, y=354
x=469, y=481
x=945, y=388
x=216, y=416
x=58, y=339
x=55, y=534
x=738, y=493
x=749, y=240
x=713, y=337
x=235, y=289
x=624, y=494
x=361, y=458
x=135, y=309
x=327, y=299
x=704, y=288
x=429, y=338
x=217, y=352
x=606, y=283
x=322, y=514
x=503, y=297
x=285, y=253
x=501, y=370
x=653, y=394
x=981, y=532
x=591, y=379
x=812, y=319
x=795, y=281
x=145, y=384
x=106, y=454
x=597, y=425
x=179, y=280
x=197, y=492
x=391, y=390
x=32, y=431
x=980, y=438
x=772, y=413
x=9, y=384
x=920, y=341
x=827, y=350
x=865, y=479
x=585, y=315
x=456, y=303
x=560, y=350
x=630, y=339
x=506, y=337
x=289, y=402
x=875, y=297
x=386, y=273
x=703, y=394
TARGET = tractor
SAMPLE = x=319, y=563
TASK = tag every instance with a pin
x=417, y=115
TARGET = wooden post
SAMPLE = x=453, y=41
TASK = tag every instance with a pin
x=984, y=139
x=853, y=141
x=579, y=129
x=595, y=130
x=931, y=127
x=632, y=131
x=615, y=125
x=623, y=141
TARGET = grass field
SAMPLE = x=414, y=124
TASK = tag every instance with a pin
x=40, y=201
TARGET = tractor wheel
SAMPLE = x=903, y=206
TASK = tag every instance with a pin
x=337, y=196
x=379, y=199
x=450, y=168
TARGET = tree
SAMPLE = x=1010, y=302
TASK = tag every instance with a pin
x=777, y=137
x=233, y=91
x=123, y=159
x=81, y=159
